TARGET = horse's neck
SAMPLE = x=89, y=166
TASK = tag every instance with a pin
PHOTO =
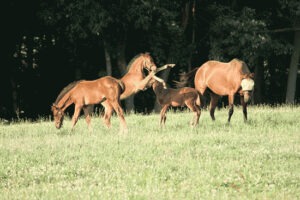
x=136, y=67
x=61, y=104
x=132, y=78
x=158, y=88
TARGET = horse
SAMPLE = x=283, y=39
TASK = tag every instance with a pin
x=185, y=96
x=107, y=91
x=223, y=79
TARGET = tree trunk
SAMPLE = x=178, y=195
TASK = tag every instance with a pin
x=121, y=62
x=293, y=70
x=107, y=59
x=78, y=73
x=15, y=103
x=185, y=15
x=259, y=83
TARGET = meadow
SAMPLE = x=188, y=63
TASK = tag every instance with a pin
x=259, y=159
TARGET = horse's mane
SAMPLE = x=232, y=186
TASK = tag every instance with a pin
x=244, y=66
x=135, y=57
x=65, y=90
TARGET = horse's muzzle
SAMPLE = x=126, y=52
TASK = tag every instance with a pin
x=247, y=96
x=153, y=68
x=58, y=125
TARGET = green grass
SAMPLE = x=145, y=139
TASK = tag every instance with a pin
x=259, y=159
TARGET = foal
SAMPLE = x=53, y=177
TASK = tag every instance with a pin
x=167, y=97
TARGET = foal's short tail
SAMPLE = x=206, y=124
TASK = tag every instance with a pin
x=121, y=85
x=198, y=101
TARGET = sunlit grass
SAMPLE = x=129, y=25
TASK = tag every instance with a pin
x=259, y=159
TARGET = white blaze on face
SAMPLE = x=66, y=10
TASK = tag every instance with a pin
x=247, y=84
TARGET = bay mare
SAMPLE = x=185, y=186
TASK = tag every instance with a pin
x=223, y=79
x=106, y=90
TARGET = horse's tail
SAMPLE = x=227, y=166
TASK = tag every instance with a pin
x=186, y=78
x=121, y=85
x=198, y=101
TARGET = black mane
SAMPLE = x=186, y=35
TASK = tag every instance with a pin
x=65, y=90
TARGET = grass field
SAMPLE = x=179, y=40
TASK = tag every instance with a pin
x=255, y=160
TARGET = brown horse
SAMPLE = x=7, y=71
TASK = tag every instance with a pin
x=106, y=90
x=177, y=98
x=224, y=79
x=83, y=93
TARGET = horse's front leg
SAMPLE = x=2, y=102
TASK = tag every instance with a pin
x=193, y=107
x=197, y=114
x=230, y=102
x=164, y=67
x=213, y=104
x=87, y=111
x=76, y=115
x=142, y=85
x=244, y=105
x=117, y=107
x=108, y=110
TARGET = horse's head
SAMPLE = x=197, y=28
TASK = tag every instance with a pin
x=148, y=63
x=157, y=82
x=247, y=85
x=58, y=116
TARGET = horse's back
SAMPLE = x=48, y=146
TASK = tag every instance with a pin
x=93, y=91
x=110, y=82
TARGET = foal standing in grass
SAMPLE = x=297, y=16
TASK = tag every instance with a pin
x=185, y=96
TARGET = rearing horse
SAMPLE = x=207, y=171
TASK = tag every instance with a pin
x=106, y=90
x=223, y=79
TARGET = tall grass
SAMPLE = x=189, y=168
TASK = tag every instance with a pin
x=259, y=159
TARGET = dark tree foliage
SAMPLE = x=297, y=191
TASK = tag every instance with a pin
x=48, y=44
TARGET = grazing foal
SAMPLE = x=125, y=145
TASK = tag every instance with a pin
x=167, y=97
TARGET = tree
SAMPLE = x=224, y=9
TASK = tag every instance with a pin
x=294, y=15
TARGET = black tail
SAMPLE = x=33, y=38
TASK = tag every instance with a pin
x=186, y=79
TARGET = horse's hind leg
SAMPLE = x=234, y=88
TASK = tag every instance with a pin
x=120, y=113
x=108, y=110
x=213, y=104
x=197, y=112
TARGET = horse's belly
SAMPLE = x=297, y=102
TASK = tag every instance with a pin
x=176, y=103
x=94, y=99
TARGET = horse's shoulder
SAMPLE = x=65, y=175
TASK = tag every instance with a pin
x=240, y=66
